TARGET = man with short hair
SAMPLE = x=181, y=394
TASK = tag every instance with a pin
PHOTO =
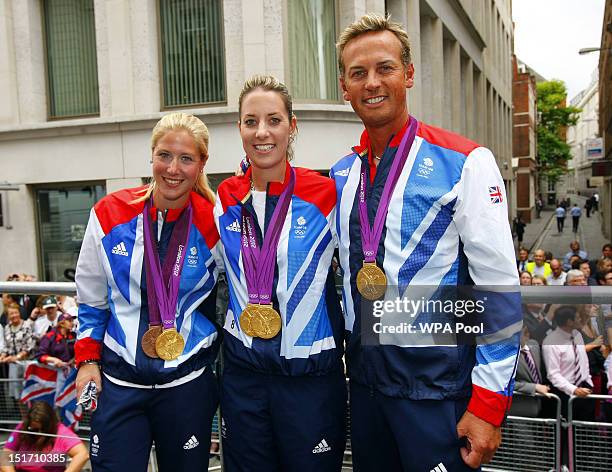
x=558, y=276
x=584, y=266
x=567, y=365
x=439, y=204
x=560, y=214
x=539, y=266
x=523, y=259
x=574, y=251
x=47, y=318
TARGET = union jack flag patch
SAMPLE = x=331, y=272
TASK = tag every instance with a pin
x=495, y=194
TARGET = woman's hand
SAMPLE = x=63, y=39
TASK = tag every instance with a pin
x=86, y=373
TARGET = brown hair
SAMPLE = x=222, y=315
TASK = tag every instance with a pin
x=199, y=132
x=369, y=23
x=269, y=83
x=39, y=412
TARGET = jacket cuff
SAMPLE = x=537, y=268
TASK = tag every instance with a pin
x=489, y=406
x=87, y=349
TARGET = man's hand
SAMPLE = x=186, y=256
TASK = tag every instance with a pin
x=582, y=392
x=483, y=439
x=542, y=389
x=86, y=373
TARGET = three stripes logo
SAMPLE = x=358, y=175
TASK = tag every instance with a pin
x=120, y=249
x=235, y=226
x=321, y=447
x=439, y=468
x=193, y=442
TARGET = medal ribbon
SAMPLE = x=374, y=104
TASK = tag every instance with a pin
x=370, y=236
x=258, y=262
x=163, y=286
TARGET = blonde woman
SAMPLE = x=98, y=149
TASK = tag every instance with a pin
x=146, y=282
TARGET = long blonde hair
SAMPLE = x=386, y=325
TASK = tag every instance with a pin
x=199, y=132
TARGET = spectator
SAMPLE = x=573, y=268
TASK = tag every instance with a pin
x=606, y=251
x=36, y=448
x=574, y=251
x=19, y=345
x=532, y=316
x=45, y=318
x=538, y=280
x=558, y=276
x=604, y=278
x=57, y=345
x=567, y=367
x=548, y=256
x=518, y=227
x=586, y=323
x=2, y=341
x=575, y=213
x=575, y=277
x=525, y=278
x=583, y=266
x=588, y=206
x=539, y=266
x=538, y=206
x=560, y=214
x=604, y=265
x=546, y=325
x=529, y=379
x=523, y=259
x=595, y=202
x=8, y=299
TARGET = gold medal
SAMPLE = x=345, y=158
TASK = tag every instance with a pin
x=371, y=281
x=148, y=340
x=169, y=344
x=260, y=321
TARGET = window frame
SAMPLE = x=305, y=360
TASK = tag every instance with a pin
x=45, y=46
x=160, y=61
x=287, y=58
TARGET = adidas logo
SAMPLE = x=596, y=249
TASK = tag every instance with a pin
x=321, y=447
x=120, y=249
x=193, y=442
x=343, y=172
x=235, y=226
x=439, y=468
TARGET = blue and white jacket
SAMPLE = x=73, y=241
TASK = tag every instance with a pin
x=311, y=338
x=112, y=291
x=447, y=225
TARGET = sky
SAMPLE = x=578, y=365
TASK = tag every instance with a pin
x=549, y=33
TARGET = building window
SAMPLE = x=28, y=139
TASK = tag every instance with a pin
x=312, y=49
x=62, y=214
x=192, y=52
x=72, y=70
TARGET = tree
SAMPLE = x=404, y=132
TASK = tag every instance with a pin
x=555, y=117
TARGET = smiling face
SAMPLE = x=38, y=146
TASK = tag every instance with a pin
x=539, y=257
x=525, y=278
x=375, y=79
x=265, y=128
x=177, y=163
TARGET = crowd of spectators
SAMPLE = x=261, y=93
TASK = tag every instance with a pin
x=33, y=328
x=565, y=348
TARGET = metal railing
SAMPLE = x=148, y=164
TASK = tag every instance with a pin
x=590, y=442
x=530, y=444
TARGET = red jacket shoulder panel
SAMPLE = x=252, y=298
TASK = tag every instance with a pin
x=117, y=208
x=446, y=139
